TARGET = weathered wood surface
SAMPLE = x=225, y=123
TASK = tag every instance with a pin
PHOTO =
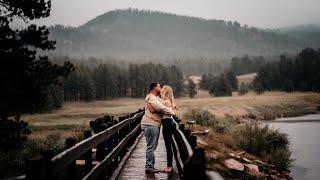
x=134, y=167
x=94, y=173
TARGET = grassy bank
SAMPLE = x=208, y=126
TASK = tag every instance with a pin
x=251, y=106
x=234, y=127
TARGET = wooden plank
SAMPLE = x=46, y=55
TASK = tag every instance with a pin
x=125, y=158
x=61, y=160
x=134, y=168
x=103, y=164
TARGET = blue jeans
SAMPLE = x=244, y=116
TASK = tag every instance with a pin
x=152, y=135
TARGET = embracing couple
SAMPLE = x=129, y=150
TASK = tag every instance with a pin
x=159, y=110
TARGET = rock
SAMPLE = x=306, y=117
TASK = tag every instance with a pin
x=234, y=164
x=274, y=177
x=247, y=160
x=260, y=162
x=201, y=142
x=240, y=153
x=235, y=155
x=213, y=156
x=252, y=168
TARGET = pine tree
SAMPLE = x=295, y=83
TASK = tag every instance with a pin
x=232, y=80
x=25, y=76
x=191, y=88
x=206, y=81
x=243, y=89
x=258, y=88
x=220, y=87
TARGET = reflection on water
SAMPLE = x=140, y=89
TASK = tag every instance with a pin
x=304, y=135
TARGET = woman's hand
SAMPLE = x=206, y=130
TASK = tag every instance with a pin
x=167, y=103
x=175, y=107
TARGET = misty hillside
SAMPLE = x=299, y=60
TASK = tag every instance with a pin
x=138, y=34
x=308, y=34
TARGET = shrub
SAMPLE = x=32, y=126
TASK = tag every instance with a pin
x=281, y=158
x=13, y=161
x=13, y=133
x=201, y=116
x=54, y=142
x=271, y=145
x=206, y=118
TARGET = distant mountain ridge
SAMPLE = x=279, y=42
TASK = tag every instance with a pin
x=129, y=33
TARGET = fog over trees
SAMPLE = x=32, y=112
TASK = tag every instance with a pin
x=143, y=35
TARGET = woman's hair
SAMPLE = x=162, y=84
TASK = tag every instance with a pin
x=167, y=93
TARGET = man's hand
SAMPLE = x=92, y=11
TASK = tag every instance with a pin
x=151, y=109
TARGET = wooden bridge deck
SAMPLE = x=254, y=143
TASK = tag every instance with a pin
x=134, y=167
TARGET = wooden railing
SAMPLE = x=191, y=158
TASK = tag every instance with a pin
x=101, y=153
x=190, y=158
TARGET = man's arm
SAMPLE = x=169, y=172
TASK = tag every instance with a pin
x=151, y=109
x=158, y=106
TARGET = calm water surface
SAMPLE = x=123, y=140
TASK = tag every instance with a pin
x=304, y=135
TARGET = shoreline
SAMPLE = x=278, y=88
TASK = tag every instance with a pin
x=219, y=145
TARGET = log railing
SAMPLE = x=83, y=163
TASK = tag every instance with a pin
x=101, y=153
x=190, y=159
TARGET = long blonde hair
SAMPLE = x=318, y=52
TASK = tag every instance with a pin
x=166, y=93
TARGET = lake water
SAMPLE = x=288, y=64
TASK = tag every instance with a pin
x=304, y=135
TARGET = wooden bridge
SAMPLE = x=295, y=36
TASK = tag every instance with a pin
x=119, y=153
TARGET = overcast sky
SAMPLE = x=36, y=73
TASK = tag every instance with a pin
x=259, y=13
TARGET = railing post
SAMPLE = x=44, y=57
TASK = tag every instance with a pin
x=193, y=141
x=195, y=168
x=88, y=154
x=37, y=167
x=71, y=169
x=181, y=126
x=115, y=162
x=187, y=133
x=100, y=154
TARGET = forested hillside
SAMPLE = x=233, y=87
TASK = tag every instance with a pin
x=144, y=35
x=308, y=34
